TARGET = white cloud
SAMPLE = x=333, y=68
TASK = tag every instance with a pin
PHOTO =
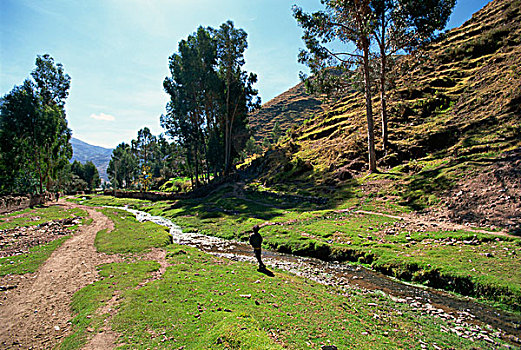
x=103, y=116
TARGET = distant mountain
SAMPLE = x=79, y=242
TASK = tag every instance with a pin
x=100, y=156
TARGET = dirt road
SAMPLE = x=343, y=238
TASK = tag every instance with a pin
x=36, y=314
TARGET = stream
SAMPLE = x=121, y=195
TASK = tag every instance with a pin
x=466, y=317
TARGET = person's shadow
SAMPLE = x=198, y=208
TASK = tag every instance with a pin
x=265, y=271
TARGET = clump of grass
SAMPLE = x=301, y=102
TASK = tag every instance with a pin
x=129, y=236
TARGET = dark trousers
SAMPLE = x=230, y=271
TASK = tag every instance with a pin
x=257, y=252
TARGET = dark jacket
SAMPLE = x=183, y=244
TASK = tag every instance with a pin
x=256, y=240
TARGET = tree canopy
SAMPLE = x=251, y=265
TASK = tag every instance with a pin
x=34, y=136
x=210, y=98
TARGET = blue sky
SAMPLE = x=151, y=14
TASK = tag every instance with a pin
x=116, y=52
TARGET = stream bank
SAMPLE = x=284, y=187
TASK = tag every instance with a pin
x=468, y=318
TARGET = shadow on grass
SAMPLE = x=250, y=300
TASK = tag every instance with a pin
x=266, y=272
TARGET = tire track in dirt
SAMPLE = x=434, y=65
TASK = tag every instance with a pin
x=36, y=314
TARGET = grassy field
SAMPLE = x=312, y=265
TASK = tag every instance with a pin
x=29, y=262
x=205, y=302
x=482, y=265
x=124, y=239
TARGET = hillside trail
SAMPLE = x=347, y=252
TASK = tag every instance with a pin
x=37, y=313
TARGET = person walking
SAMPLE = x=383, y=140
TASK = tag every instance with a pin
x=256, y=243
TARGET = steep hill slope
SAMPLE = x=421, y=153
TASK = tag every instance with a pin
x=455, y=117
x=291, y=107
x=100, y=156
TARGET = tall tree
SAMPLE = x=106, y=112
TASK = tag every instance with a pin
x=191, y=88
x=238, y=88
x=18, y=114
x=87, y=173
x=404, y=25
x=34, y=124
x=210, y=97
x=143, y=145
x=347, y=22
x=123, y=166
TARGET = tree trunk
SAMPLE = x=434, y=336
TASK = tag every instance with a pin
x=40, y=175
x=227, y=128
x=383, y=97
x=369, y=108
x=226, y=142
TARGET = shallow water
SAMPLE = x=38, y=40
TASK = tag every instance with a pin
x=457, y=310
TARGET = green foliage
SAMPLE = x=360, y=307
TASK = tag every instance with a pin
x=122, y=168
x=34, y=137
x=210, y=98
x=176, y=185
x=85, y=176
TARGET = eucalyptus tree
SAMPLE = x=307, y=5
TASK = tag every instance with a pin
x=123, y=166
x=356, y=25
x=349, y=24
x=404, y=25
x=210, y=98
x=192, y=87
x=88, y=173
x=143, y=145
x=34, y=127
x=239, y=94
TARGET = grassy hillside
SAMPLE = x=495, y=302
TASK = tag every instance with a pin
x=289, y=108
x=455, y=117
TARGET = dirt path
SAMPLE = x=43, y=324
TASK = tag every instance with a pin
x=36, y=314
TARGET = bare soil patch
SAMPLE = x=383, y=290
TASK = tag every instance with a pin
x=18, y=240
x=490, y=199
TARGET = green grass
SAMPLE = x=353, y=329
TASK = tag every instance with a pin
x=102, y=200
x=29, y=262
x=493, y=265
x=116, y=278
x=203, y=302
x=488, y=270
x=129, y=236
